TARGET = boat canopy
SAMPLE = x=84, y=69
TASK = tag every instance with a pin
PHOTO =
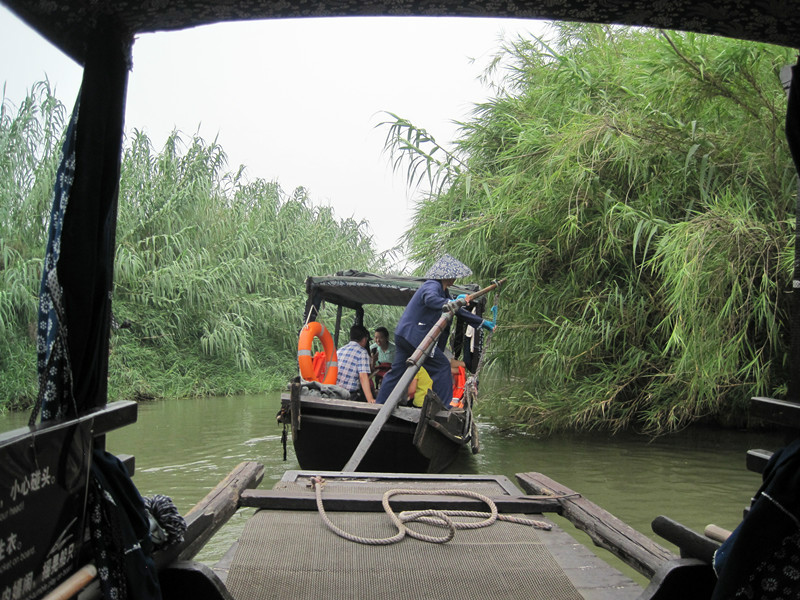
x=353, y=289
x=69, y=24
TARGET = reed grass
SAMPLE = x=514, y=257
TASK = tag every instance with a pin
x=636, y=189
x=209, y=268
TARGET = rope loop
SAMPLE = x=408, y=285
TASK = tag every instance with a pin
x=434, y=517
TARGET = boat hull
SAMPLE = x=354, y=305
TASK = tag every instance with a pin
x=326, y=432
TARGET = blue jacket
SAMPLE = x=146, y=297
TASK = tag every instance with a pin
x=424, y=310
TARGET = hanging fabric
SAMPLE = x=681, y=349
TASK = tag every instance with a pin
x=75, y=302
x=56, y=397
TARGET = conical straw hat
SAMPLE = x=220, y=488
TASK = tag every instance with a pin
x=448, y=267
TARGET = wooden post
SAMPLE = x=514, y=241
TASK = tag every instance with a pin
x=73, y=584
x=716, y=533
x=691, y=543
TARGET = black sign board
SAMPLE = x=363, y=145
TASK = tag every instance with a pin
x=43, y=484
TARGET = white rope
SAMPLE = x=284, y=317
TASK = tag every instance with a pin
x=437, y=518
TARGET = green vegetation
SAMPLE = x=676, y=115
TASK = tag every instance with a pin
x=29, y=147
x=636, y=189
x=210, y=268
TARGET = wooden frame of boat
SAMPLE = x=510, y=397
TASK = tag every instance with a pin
x=688, y=574
x=99, y=35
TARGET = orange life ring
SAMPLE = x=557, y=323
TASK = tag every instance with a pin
x=304, y=353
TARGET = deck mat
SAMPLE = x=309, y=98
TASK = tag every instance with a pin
x=291, y=554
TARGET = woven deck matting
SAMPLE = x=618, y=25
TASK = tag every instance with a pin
x=292, y=554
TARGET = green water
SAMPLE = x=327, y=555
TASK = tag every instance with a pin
x=184, y=448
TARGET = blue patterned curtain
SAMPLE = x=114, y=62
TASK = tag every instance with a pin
x=56, y=396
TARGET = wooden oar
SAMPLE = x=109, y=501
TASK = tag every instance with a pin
x=414, y=363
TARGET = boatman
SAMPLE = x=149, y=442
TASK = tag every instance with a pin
x=421, y=314
x=354, y=365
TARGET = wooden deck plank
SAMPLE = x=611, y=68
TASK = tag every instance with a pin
x=301, y=477
x=592, y=577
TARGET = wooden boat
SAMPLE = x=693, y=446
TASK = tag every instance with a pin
x=326, y=430
x=44, y=471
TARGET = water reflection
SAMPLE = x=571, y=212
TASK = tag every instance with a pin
x=184, y=448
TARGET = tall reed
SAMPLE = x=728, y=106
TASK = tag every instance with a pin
x=209, y=268
x=636, y=189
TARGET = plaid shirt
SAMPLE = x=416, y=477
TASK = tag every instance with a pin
x=353, y=359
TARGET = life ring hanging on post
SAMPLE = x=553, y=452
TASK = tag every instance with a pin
x=304, y=353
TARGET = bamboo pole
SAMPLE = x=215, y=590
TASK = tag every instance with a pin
x=73, y=584
x=716, y=533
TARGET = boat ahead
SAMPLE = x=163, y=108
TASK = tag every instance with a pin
x=327, y=426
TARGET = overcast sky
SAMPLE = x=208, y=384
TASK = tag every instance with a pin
x=295, y=101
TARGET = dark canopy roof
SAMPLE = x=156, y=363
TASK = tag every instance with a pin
x=355, y=288
x=66, y=23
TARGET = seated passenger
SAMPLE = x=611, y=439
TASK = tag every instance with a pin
x=354, y=365
x=382, y=346
x=419, y=386
x=382, y=354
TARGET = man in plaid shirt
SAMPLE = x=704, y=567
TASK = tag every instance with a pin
x=354, y=365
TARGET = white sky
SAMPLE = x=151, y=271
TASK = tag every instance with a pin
x=295, y=101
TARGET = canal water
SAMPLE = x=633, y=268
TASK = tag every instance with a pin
x=183, y=448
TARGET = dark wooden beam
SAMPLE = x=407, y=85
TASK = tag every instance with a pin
x=683, y=578
x=757, y=460
x=282, y=499
x=778, y=412
x=605, y=530
x=212, y=512
x=691, y=543
x=187, y=579
x=102, y=420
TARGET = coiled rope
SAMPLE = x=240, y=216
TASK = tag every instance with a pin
x=437, y=518
x=167, y=526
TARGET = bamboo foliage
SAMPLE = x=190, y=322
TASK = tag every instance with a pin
x=635, y=188
x=209, y=267
x=29, y=147
x=210, y=261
